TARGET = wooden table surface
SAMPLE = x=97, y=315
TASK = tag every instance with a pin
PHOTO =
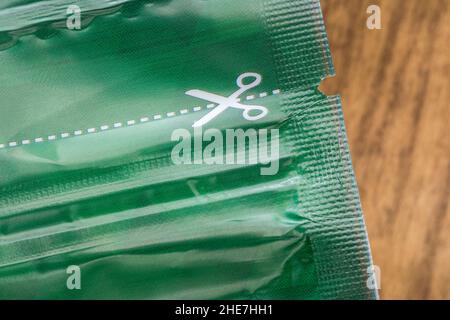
x=395, y=87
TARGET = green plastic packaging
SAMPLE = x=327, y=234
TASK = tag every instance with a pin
x=88, y=180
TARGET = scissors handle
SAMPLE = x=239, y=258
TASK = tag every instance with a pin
x=262, y=112
x=245, y=87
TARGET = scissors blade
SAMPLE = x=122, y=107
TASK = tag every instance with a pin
x=207, y=96
x=210, y=115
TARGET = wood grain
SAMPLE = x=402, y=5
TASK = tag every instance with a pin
x=395, y=87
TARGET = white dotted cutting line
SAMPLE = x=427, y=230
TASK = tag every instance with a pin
x=116, y=125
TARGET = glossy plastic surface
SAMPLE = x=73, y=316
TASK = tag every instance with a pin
x=86, y=174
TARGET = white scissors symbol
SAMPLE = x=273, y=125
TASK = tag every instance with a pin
x=231, y=101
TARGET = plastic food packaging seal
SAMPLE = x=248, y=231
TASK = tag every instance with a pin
x=174, y=150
